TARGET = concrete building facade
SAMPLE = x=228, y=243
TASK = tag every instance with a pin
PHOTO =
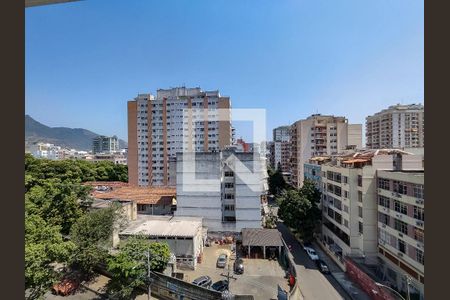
x=176, y=120
x=319, y=135
x=350, y=205
x=401, y=228
x=281, y=147
x=105, y=144
x=225, y=188
x=398, y=126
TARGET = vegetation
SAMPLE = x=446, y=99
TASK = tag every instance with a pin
x=276, y=182
x=92, y=235
x=56, y=204
x=129, y=267
x=299, y=209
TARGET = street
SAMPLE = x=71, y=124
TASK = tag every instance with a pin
x=312, y=283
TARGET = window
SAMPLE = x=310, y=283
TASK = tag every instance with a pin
x=385, y=236
x=383, y=201
x=334, y=176
x=359, y=180
x=345, y=194
x=383, y=184
x=419, y=234
x=400, y=187
x=334, y=189
x=360, y=226
x=400, y=207
x=229, y=185
x=418, y=191
x=420, y=256
x=229, y=174
x=401, y=226
x=229, y=207
x=383, y=218
x=229, y=196
x=346, y=223
x=360, y=196
x=419, y=213
x=345, y=179
x=360, y=211
x=346, y=208
x=142, y=207
x=401, y=246
x=337, y=204
x=338, y=218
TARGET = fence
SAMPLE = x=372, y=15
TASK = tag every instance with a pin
x=365, y=282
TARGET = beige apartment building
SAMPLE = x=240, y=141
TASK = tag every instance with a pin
x=398, y=126
x=176, y=120
x=320, y=135
x=401, y=225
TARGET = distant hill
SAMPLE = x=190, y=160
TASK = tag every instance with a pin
x=73, y=138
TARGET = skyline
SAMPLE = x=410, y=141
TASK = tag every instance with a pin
x=348, y=59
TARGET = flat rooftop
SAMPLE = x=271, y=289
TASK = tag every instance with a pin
x=164, y=226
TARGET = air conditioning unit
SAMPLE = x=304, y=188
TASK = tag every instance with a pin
x=419, y=201
x=400, y=254
x=400, y=234
x=398, y=216
x=383, y=225
x=419, y=223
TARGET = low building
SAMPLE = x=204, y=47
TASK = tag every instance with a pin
x=185, y=236
x=261, y=242
x=149, y=200
x=116, y=158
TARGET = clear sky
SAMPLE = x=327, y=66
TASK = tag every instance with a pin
x=85, y=59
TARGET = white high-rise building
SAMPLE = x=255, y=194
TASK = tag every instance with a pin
x=399, y=126
x=320, y=135
x=281, y=145
x=176, y=120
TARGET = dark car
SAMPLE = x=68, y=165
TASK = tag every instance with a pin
x=238, y=266
x=322, y=266
x=203, y=281
x=220, y=286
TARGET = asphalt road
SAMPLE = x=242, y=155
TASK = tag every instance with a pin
x=313, y=284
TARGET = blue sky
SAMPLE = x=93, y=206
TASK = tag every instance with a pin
x=85, y=59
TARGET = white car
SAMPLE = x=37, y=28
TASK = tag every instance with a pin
x=311, y=253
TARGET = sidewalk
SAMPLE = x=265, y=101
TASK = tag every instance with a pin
x=344, y=281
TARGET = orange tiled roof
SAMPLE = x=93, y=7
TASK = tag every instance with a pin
x=107, y=183
x=140, y=195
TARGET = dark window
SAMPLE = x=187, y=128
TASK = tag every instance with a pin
x=401, y=246
x=383, y=184
x=359, y=180
x=360, y=211
x=360, y=226
x=400, y=187
x=418, y=191
x=383, y=218
x=383, y=201
x=420, y=257
x=419, y=213
x=360, y=196
x=400, y=207
x=401, y=226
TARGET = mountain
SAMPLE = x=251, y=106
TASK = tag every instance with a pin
x=73, y=138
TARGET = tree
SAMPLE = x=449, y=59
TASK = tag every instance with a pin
x=299, y=209
x=92, y=234
x=276, y=182
x=129, y=266
x=44, y=246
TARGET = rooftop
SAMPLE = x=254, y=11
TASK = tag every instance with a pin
x=140, y=195
x=261, y=237
x=164, y=226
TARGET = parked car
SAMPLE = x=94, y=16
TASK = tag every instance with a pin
x=222, y=260
x=238, y=266
x=203, y=281
x=322, y=266
x=311, y=253
x=220, y=286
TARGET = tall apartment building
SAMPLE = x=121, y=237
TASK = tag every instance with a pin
x=319, y=135
x=401, y=224
x=228, y=193
x=105, y=144
x=281, y=147
x=399, y=126
x=176, y=120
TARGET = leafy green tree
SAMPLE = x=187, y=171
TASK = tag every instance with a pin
x=299, y=209
x=44, y=246
x=276, y=182
x=92, y=234
x=129, y=266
